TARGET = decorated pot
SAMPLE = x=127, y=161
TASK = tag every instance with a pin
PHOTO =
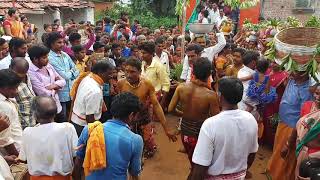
x=300, y=42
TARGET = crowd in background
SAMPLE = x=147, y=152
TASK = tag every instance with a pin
x=82, y=99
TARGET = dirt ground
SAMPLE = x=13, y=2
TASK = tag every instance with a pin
x=168, y=164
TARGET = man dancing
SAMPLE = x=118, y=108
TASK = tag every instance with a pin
x=144, y=89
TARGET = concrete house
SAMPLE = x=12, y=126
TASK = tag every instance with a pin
x=41, y=12
x=302, y=9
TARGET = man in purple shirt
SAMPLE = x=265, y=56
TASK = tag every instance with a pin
x=44, y=78
x=75, y=39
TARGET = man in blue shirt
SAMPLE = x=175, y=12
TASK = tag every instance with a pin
x=123, y=147
x=65, y=67
x=296, y=93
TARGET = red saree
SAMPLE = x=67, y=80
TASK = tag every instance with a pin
x=276, y=80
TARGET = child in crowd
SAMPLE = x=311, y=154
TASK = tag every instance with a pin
x=259, y=92
x=120, y=68
x=81, y=59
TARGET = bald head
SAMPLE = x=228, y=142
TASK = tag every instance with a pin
x=19, y=65
x=44, y=109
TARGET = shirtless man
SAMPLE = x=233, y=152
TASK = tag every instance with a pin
x=144, y=89
x=198, y=104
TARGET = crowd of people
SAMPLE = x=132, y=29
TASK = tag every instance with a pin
x=81, y=102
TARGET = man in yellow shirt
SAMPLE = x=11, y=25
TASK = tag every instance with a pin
x=154, y=71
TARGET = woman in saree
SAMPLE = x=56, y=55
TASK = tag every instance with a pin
x=306, y=136
x=278, y=80
x=308, y=130
x=13, y=26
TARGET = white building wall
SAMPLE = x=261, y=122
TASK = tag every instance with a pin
x=39, y=20
x=76, y=14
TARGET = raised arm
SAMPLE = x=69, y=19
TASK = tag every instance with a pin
x=185, y=68
x=213, y=50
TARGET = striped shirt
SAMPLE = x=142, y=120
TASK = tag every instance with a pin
x=24, y=98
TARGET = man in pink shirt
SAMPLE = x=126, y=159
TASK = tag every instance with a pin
x=75, y=39
x=44, y=78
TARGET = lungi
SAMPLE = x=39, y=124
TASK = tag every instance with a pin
x=279, y=168
x=234, y=176
x=57, y=177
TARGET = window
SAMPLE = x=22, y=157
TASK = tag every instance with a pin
x=305, y=4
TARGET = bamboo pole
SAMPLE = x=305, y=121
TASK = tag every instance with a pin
x=184, y=23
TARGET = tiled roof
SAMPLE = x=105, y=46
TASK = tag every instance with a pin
x=35, y=6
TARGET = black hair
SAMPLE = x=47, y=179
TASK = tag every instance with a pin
x=307, y=167
x=2, y=41
x=98, y=22
x=37, y=51
x=231, y=89
x=242, y=51
x=121, y=26
x=115, y=45
x=202, y=68
x=262, y=65
x=206, y=13
x=45, y=26
x=134, y=63
x=22, y=17
x=16, y=43
x=134, y=47
x=42, y=111
x=149, y=47
x=187, y=38
x=107, y=20
x=101, y=67
x=97, y=45
x=121, y=61
x=124, y=104
x=9, y=78
x=195, y=47
x=98, y=28
x=53, y=37
x=77, y=48
x=11, y=11
x=137, y=21
x=250, y=56
x=74, y=36
x=125, y=36
x=160, y=40
x=56, y=20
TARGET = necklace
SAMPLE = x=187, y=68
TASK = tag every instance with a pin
x=134, y=86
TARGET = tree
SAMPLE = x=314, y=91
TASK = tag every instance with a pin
x=158, y=7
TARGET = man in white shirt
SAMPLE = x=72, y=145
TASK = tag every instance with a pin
x=213, y=12
x=50, y=147
x=5, y=173
x=4, y=50
x=10, y=138
x=246, y=72
x=17, y=48
x=227, y=142
x=209, y=52
x=88, y=98
x=221, y=18
x=162, y=55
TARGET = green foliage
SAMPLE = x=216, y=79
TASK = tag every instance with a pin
x=176, y=72
x=313, y=21
x=146, y=18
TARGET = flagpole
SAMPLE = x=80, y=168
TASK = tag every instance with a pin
x=184, y=23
